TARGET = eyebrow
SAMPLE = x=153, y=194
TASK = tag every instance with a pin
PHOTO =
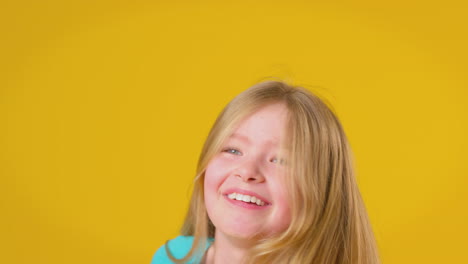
x=247, y=139
x=239, y=136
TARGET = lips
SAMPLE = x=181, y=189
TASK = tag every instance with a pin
x=246, y=198
x=242, y=195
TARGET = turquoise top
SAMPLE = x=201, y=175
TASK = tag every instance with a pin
x=179, y=247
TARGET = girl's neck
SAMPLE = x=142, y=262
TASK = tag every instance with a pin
x=227, y=250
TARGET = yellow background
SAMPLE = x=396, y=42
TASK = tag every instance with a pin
x=104, y=107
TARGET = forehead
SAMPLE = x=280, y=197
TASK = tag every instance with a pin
x=265, y=125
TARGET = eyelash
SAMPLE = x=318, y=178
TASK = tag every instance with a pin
x=233, y=151
x=229, y=150
x=281, y=161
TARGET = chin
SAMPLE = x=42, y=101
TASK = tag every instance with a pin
x=240, y=231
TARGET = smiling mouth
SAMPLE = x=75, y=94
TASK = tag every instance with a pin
x=247, y=199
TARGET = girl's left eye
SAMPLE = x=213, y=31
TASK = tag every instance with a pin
x=277, y=160
x=233, y=151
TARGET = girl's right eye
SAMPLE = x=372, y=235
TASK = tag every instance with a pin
x=232, y=151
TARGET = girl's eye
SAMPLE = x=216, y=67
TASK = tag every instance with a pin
x=279, y=161
x=233, y=151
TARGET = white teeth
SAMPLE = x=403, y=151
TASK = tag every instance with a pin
x=246, y=198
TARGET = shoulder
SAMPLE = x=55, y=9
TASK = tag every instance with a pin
x=178, y=247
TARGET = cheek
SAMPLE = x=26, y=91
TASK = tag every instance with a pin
x=216, y=172
x=283, y=213
x=213, y=180
x=212, y=177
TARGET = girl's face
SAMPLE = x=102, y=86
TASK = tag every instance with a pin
x=244, y=183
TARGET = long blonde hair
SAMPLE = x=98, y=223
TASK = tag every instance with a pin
x=329, y=220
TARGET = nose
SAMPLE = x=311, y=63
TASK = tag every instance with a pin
x=249, y=172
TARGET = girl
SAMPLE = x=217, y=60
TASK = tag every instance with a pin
x=274, y=184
